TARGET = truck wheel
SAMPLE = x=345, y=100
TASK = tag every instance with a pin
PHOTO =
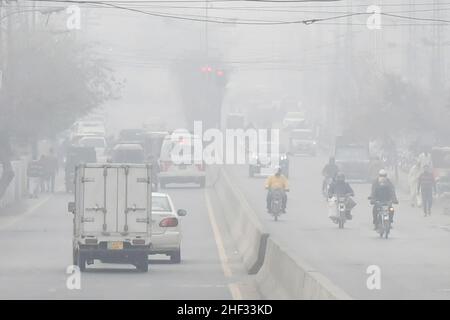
x=142, y=265
x=175, y=257
x=81, y=262
x=74, y=257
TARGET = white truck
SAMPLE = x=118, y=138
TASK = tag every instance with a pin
x=112, y=214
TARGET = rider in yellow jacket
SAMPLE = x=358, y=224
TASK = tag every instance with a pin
x=277, y=181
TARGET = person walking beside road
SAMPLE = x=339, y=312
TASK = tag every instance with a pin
x=425, y=159
x=413, y=178
x=426, y=186
x=51, y=170
x=34, y=174
x=43, y=176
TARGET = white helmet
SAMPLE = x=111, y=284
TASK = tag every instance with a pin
x=382, y=173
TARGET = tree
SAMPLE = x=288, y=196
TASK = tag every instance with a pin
x=51, y=81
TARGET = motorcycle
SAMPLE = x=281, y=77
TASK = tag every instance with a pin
x=384, y=210
x=276, y=203
x=341, y=209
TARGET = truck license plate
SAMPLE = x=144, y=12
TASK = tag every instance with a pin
x=115, y=245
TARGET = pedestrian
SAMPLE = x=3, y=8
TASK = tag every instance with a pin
x=426, y=186
x=34, y=174
x=44, y=178
x=425, y=159
x=52, y=170
x=413, y=178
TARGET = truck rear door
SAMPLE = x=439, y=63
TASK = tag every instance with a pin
x=134, y=202
x=116, y=199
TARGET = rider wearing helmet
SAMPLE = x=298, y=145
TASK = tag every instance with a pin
x=277, y=181
x=340, y=187
x=383, y=190
x=329, y=171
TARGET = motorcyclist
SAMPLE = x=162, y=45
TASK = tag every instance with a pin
x=329, y=171
x=383, y=191
x=274, y=182
x=340, y=187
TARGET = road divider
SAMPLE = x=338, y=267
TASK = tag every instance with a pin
x=247, y=231
x=285, y=276
x=280, y=274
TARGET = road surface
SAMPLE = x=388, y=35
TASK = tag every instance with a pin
x=414, y=262
x=36, y=242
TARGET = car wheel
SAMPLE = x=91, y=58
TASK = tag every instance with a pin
x=175, y=257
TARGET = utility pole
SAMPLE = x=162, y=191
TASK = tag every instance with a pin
x=411, y=62
x=437, y=73
x=1, y=49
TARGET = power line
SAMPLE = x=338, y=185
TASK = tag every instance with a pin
x=235, y=21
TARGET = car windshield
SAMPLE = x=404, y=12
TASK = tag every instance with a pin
x=271, y=148
x=93, y=142
x=161, y=204
x=307, y=135
x=128, y=156
x=352, y=153
x=296, y=115
x=186, y=144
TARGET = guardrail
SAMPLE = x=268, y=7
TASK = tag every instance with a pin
x=17, y=189
x=279, y=273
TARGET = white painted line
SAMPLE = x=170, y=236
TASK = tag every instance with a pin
x=22, y=216
x=219, y=243
x=233, y=287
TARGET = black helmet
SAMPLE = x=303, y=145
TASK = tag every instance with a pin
x=340, y=176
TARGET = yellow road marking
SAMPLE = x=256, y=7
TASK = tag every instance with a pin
x=234, y=289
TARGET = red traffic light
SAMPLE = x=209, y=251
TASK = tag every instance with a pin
x=207, y=69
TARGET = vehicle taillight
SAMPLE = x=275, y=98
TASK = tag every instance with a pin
x=168, y=222
x=165, y=165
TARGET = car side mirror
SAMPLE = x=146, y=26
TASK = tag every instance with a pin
x=182, y=212
x=71, y=207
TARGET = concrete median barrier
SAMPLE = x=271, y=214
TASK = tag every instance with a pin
x=247, y=231
x=284, y=276
x=279, y=273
